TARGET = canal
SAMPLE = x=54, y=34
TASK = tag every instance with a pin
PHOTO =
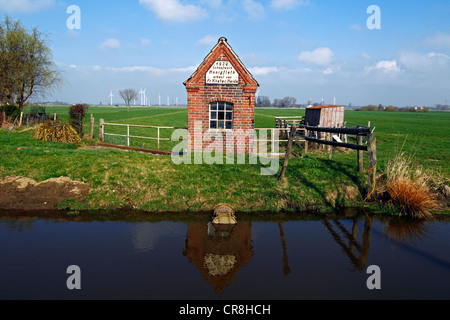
x=191, y=259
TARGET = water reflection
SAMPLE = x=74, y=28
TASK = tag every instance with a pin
x=356, y=251
x=254, y=259
x=219, y=251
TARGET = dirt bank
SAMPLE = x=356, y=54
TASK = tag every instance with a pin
x=22, y=193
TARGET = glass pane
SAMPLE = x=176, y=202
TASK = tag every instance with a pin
x=229, y=124
x=221, y=125
x=221, y=115
x=229, y=116
x=221, y=106
x=213, y=115
x=229, y=107
x=213, y=125
x=213, y=106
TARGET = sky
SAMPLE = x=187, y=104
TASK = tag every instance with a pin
x=344, y=51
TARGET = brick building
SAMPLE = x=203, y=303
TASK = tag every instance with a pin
x=221, y=101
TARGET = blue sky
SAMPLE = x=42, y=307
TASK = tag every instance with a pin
x=308, y=49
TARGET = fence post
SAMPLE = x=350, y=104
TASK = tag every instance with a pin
x=372, y=152
x=20, y=120
x=288, y=151
x=158, y=138
x=128, y=135
x=360, y=154
x=101, y=130
x=54, y=117
x=91, y=129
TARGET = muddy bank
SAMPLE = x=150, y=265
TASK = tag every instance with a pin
x=22, y=193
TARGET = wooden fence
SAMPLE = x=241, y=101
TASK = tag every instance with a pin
x=359, y=131
x=283, y=136
x=128, y=136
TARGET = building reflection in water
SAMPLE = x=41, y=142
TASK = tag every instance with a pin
x=219, y=251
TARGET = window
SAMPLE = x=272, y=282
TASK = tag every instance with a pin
x=221, y=115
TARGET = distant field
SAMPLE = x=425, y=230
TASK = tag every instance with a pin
x=153, y=183
x=423, y=136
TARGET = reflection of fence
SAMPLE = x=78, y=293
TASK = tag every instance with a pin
x=358, y=258
x=158, y=133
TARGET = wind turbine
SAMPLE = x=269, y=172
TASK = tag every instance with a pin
x=256, y=96
x=168, y=101
x=159, y=99
x=111, y=96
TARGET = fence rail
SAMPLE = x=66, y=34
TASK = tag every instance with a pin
x=359, y=131
x=158, y=138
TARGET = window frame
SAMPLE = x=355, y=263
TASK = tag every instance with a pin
x=216, y=114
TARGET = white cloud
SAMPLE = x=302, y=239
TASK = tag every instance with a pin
x=145, y=42
x=152, y=70
x=388, y=66
x=440, y=41
x=174, y=10
x=385, y=66
x=25, y=6
x=288, y=4
x=110, y=44
x=254, y=9
x=207, y=41
x=320, y=57
x=259, y=71
x=430, y=62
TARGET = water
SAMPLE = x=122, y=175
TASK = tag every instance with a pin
x=255, y=260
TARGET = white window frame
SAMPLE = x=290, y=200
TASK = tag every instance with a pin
x=228, y=111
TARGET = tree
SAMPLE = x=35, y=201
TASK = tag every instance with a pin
x=128, y=95
x=263, y=102
x=26, y=66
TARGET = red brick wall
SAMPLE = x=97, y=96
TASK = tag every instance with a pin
x=200, y=94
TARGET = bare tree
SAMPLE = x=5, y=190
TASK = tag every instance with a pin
x=128, y=95
x=26, y=67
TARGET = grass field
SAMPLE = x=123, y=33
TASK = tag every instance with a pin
x=153, y=183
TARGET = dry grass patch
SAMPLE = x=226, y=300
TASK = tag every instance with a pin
x=409, y=188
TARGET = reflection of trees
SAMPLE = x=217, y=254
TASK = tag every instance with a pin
x=357, y=252
x=219, y=251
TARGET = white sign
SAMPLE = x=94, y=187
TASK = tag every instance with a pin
x=222, y=72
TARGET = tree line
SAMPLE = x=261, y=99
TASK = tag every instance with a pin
x=286, y=102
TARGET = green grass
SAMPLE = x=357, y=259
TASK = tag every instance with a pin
x=153, y=183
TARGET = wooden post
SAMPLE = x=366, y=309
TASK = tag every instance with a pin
x=306, y=141
x=101, y=130
x=91, y=131
x=372, y=151
x=54, y=117
x=20, y=120
x=128, y=135
x=158, y=138
x=288, y=152
x=360, y=154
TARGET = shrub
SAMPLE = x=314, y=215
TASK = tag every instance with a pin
x=11, y=111
x=37, y=111
x=76, y=114
x=408, y=188
x=57, y=132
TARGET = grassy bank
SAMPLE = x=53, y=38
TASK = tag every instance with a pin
x=120, y=179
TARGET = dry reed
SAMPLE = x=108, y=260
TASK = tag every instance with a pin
x=408, y=187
